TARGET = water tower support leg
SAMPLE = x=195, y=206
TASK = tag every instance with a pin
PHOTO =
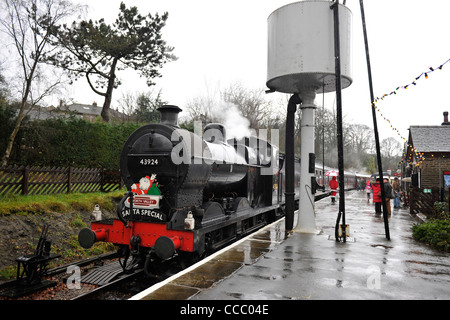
x=306, y=217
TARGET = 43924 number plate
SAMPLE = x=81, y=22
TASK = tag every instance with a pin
x=149, y=162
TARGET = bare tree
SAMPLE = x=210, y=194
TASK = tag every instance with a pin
x=360, y=138
x=390, y=147
x=325, y=136
x=203, y=107
x=4, y=90
x=128, y=104
x=147, y=104
x=29, y=23
x=391, y=150
x=252, y=103
x=200, y=108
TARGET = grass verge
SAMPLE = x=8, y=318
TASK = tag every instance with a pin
x=23, y=217
x=62, y=203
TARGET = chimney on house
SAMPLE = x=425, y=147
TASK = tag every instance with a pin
x=445, y=123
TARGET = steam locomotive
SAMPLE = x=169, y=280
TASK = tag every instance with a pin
x=189, y=195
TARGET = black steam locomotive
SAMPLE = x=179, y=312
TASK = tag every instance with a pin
x=189, y=194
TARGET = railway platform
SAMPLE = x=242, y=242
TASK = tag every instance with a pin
x=270, y=265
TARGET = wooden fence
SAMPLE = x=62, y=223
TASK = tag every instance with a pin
x=28, y=180
x=422, y=200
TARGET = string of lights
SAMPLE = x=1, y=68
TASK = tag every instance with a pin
x=419, y=156
x=424, y=74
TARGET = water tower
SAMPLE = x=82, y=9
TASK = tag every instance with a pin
x=302, y=61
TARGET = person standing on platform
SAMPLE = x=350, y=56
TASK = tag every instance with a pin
x=388, y=193
x=368, y=190
x=377, y=195
x=333, y=186
x=396, y=188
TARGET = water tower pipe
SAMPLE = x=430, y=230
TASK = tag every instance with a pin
x=289, y=161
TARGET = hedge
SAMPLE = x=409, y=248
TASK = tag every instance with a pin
x=70, y=142
x=435, y=233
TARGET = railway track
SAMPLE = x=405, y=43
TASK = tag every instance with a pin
x=53, y=281
x=119, y=289
x=128, y=285
x=101, y=278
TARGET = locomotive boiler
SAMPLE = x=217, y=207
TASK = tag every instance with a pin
x=189, y=194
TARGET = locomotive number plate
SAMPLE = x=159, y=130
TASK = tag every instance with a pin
x=149, y=162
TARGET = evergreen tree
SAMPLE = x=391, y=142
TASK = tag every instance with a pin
x=96, y=50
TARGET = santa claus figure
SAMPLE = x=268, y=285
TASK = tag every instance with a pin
x=142, y=187
x=333, y=186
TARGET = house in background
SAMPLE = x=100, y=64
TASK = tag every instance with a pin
x=88, y=112
x=426, y=167
x=91, y=112
x=84, y=111
x=427, y=159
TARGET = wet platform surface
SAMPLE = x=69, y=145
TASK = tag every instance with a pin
x=271, y=265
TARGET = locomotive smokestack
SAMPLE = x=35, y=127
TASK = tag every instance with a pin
x=169, y=115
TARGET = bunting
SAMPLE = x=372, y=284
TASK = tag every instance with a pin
x=424, y=75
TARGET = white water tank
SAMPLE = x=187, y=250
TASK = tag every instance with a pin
x=301, y=47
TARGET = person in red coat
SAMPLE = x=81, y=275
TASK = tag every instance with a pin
x=376, y=186
x=333, y=186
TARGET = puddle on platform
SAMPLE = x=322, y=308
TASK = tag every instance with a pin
x=276, y=233
x=247, y=253
x=206, y=275
x=381, y=246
